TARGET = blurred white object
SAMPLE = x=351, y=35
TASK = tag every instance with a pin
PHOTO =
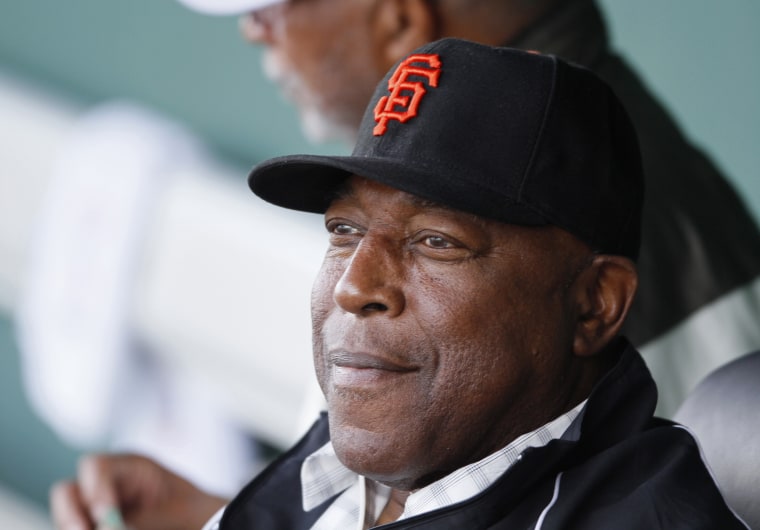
x=33, y=123
x=225, y=298
x=211, y=303
x=73, y=316
x=90, y=371
x=682, y=357
x=228, y=7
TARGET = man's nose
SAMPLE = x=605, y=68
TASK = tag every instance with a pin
x=372, y=283
x=258, y=26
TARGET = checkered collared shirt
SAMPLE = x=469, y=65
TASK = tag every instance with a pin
x=362, y=500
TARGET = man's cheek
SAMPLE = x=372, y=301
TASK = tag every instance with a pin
x=324, y=286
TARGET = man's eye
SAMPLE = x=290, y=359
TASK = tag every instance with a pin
x=343, y=229
x=437, y=242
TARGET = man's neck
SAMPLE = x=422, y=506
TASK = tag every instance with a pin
x=393, y=508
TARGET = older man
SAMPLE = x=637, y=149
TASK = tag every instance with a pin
x=480, y=265
x=327, y=55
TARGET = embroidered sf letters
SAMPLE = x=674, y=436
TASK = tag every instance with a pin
x=428, y=66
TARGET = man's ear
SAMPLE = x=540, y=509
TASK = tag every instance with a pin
x=400, y=26
x=605, y=292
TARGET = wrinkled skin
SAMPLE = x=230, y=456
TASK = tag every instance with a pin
x=439, y=336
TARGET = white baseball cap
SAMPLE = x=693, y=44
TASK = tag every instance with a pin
x=227, y=7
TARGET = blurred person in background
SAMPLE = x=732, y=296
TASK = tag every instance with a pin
x=326, y=56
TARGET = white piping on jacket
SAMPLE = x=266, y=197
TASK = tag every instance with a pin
x=540, y=522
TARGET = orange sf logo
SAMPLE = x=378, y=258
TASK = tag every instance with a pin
x=429, y=67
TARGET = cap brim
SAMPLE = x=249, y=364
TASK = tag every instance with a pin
x=227, y=7
x=309, y=183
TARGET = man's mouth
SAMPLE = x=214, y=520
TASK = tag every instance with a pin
x=352, y=369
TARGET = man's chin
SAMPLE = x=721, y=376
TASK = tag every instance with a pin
x=371, y=455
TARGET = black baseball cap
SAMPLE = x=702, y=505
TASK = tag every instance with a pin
x=516, y=136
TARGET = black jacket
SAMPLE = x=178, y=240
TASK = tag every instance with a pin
x=616, y=467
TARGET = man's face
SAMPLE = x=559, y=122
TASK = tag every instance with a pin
x=439, y=336
x=320, y=53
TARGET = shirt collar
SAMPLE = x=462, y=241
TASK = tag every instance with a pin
x=323, y=476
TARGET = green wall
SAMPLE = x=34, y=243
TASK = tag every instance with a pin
x=701, y=58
